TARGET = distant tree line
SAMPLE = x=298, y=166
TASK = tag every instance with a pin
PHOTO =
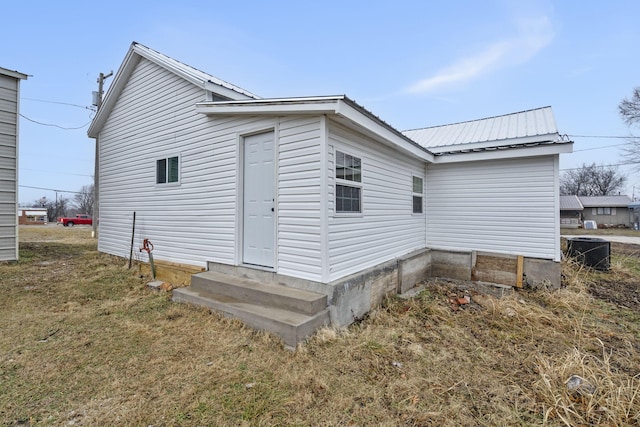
x=592, y=180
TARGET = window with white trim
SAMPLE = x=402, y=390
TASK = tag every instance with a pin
x=418, y=192
x=348, y=183
x=604, y=211
x=167, y=170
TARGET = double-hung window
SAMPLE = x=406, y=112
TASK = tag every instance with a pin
x=167, y=170
x=418, y=191
x=348, y=183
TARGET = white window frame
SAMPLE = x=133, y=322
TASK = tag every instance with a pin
x=168, y=183
x=604, y=211
x=415, y=194
x=347, y=183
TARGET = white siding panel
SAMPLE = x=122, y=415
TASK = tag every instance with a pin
x=387, y=227
x=299, y=186
x=195, y=221
x=8, y=165
x=503, y=206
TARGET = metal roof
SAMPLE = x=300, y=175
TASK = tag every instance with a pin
x=570, y=203
x=186, y=71
x=605, y=201
x=531, y=126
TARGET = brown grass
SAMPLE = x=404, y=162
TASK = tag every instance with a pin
x=85, y=343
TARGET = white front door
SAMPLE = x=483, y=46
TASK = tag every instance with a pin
x=259, y=200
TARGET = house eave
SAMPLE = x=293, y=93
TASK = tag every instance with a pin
x=543, y=148
x=338, y=106
x=13, y=73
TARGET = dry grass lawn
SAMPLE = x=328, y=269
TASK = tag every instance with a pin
x=84, y=342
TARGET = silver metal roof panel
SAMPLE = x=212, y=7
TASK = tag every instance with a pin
x=536, y=125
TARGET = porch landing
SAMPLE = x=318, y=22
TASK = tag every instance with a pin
x=290, y=313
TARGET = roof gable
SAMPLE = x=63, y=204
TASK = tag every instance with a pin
x=137, y=51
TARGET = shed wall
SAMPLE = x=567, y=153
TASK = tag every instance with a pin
x=505, y=206
x=387, y=227
x=8, y=167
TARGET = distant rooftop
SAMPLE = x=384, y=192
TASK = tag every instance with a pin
x=570, y=203
x=605, y=201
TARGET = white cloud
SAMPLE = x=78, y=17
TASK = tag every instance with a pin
x=533, y=35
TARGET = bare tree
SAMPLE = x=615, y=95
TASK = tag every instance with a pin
x=83, y=200
x=592, y=180
x=55, y=208
x=629, y=109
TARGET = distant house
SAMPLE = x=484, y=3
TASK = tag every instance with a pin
x=32, y=216
x=9, y=110
x=570, y=212
x=609, y=211
x=317, y=194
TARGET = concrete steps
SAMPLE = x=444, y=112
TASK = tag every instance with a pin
x=292, y=314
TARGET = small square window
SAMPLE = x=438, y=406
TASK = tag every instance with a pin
x=167, y=170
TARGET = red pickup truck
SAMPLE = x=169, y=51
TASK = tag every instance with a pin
x=79, y=219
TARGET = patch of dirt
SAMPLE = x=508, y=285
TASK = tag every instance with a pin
x=620, y=286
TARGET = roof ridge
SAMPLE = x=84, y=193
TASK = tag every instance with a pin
x=479, y=120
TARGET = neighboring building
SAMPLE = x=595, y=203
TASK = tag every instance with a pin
x=32, y=216
x=9, y=111
x=570, y=212
x=317, y=193
x=608, y=211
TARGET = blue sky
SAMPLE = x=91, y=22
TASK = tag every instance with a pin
x=412, y=63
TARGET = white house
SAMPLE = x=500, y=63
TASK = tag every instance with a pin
x=9, y=110
x=317, y=194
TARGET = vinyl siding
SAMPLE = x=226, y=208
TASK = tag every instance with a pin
x=503, y=206
x=8, y=167
x=299, y=185
x=191, y=222
x=387, y=227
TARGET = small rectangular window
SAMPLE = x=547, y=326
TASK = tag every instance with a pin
x=348, y=171
x=604, y=211
x=167, y=170
x=418, y=188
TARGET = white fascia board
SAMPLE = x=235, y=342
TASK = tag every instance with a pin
x=251, y=109
x=14, y=74
x=119, y=80
x=348, y=112
x=496, y=143
x=506, y=153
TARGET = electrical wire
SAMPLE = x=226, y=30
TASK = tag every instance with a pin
x=54, y=125
x=92, y=108
x=50, y=189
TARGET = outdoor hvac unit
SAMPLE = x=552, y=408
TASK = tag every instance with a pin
x=590, y=251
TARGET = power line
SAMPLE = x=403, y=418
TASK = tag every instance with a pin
x=603, y=136
x=604, y=146
x=605, y=166
x=54, y=125
x=57, y=172
x=50, y=189
x=60, y=103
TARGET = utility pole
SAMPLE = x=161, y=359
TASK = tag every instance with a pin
x=96, y=174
